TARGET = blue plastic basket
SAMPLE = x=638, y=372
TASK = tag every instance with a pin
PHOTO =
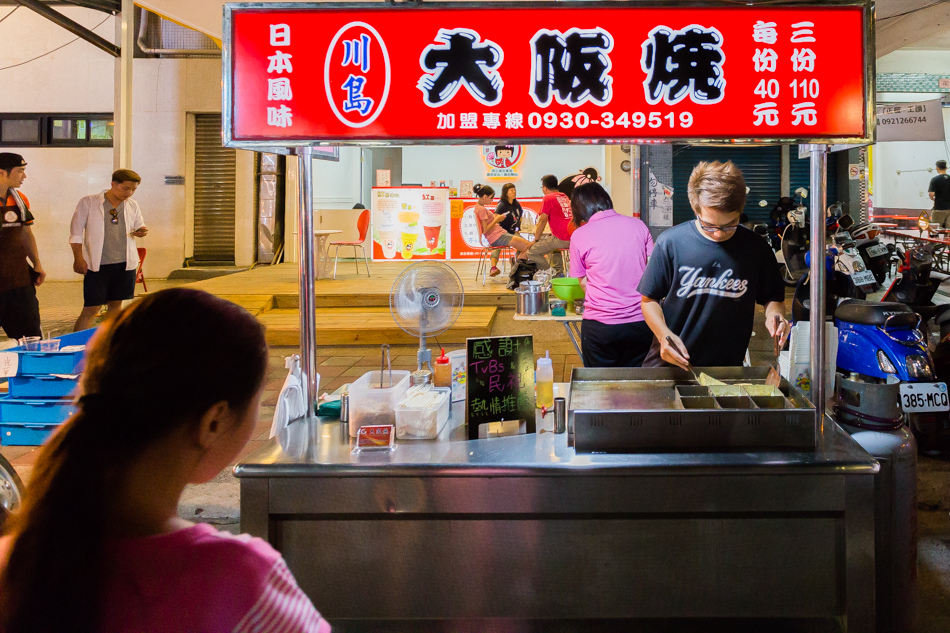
x=14, y=434
x=39, y=363
x=36, y=411
x=41, y=386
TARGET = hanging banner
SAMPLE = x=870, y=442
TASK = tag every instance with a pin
x=542, y=72
x=921, y=121
x=409, y=223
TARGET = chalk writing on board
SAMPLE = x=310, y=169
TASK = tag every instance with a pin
x=500, y=381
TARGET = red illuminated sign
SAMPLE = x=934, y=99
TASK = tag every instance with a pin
x=540, y=72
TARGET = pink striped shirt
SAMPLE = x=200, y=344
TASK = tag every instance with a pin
x=199, y=579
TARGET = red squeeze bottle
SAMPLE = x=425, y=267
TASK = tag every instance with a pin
x=443, y=371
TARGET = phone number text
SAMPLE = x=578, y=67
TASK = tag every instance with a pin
x=607, y=120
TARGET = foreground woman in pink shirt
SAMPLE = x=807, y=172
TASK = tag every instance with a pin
x=170, y=395
x=609, y=254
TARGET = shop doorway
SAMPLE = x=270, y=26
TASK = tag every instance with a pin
x=214, y=195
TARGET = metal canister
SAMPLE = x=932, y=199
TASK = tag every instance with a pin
x=560, y=415
x=345, y=414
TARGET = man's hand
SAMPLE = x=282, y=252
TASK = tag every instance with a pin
x=778, y=327
x=41, y=275
x=140, y=232
x=675, y=354
x=80, y=267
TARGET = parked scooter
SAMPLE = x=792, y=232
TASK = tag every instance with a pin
x=884, y=369
x=932, y=429
x=795, y=243
x=11, y=489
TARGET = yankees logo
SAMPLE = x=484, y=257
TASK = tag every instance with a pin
x=725, y=285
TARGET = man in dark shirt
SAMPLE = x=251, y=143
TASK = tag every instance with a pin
x=940, y=194
x=19, y=309
x=709, y=274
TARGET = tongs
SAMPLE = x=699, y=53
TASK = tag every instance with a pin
x=385, y=361
x=774, y=379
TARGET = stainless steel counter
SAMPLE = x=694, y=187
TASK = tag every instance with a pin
x=523, y=529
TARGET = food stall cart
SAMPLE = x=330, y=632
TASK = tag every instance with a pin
x=530, y=528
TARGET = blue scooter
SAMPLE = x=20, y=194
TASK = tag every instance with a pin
x=884, y=368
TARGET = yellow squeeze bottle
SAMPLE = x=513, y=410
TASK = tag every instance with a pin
x=544, y=382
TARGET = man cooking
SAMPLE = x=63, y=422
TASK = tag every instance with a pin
x=704, y=278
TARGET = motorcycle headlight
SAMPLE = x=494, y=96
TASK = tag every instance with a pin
x=918, y=367
x=885, y=363
x=858, y=267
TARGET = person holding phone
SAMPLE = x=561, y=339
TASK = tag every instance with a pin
x=490, y=226
x=510, y=208
x=102, y=236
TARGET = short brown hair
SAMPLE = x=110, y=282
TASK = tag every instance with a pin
x=718, y=186
x=125, y=175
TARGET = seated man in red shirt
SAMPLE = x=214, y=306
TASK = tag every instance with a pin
x=556, y=212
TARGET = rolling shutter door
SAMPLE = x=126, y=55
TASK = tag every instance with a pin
x=799, y=173
x=214, y=194
x=761, y=167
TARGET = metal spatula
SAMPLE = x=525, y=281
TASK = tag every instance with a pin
x=689, y=365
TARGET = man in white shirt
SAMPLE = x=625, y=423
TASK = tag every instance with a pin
x=101, y=235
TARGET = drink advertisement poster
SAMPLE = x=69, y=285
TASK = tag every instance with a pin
x=409, y=223
x=466, y=238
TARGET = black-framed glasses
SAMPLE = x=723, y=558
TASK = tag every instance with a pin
x=712, y=228
x=115, y=216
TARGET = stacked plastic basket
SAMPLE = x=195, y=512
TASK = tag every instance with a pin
x=40, y=395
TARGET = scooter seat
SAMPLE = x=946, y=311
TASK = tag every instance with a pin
x=943, y=314
x=875, y=313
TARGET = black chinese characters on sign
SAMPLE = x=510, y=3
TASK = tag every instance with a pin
x=683, y=63
x=574, y=66
x=461, y=60
x=499, y=382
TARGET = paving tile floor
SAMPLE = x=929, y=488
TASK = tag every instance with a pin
x=218, y=501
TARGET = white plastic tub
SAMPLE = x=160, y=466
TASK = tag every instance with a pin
x=369, y=404
x=422, y=423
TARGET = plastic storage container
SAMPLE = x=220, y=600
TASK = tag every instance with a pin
x=423, y=423
x=59, y=362
x=41, y=386
x=371, y=405
x=53, y=410
x=14, y=434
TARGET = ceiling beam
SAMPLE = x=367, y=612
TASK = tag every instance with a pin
x=895, y=33
x=70, y=25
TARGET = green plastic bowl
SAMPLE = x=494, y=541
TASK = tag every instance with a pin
x=567, y=288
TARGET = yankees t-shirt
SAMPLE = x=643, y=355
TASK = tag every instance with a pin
x=709, y=291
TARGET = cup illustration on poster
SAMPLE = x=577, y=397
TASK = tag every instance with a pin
x=432, y=220
x=389, y=240
x=408, y=232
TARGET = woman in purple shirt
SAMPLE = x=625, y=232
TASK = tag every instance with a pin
x=609, y=254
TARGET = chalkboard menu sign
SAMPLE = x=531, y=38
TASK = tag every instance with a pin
x=499, y=382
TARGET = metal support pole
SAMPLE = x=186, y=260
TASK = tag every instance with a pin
x=819, y=170
x=122, y=129
x=307, y=275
